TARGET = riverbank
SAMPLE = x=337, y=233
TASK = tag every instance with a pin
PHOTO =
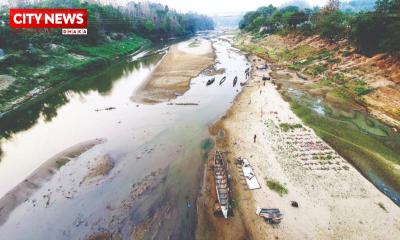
x=335, y=71
x=55, y=64
x=172, y=76
x=320, y=80
x=335, y=200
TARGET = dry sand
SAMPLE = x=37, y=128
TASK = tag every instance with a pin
x=44, y=173
x=172, y=76
x=335, y=200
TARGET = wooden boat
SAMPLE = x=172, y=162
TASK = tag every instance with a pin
x=235, y=81
x=247, y=73
x=264, y=78
x=248, y=173
x=222, y=80
x=271, y=215
x=221, y=182
x=210, y=81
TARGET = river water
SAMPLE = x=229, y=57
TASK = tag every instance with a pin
x=158, y=152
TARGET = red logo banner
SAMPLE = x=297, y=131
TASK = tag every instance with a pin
x=48, y=18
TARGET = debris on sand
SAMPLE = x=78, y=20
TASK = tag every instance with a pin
x=102, y=167
x=294, y=204
x=105, y=109
x=302, y=76
x=101, y=236
x=187, y=104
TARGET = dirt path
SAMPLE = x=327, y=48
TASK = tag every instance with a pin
x=336, y=201
x=172, y=76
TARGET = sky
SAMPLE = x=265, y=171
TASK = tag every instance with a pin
x=213, y=7
x=222, y=7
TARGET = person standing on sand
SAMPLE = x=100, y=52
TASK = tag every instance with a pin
x=255, y=138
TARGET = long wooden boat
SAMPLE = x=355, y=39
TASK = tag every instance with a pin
x=222, y=80
x=221, y=182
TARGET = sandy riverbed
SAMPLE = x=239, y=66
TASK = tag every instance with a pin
x=45, y=172
x=172, y=76
x=336, y=201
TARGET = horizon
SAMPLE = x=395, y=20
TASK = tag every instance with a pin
x=203, y=7
x=220, y=8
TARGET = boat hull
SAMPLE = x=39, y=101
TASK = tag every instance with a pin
x=221, y=183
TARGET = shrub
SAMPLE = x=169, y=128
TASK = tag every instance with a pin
x=277, y=187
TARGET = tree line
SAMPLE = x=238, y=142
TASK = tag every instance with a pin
x=145, y=19
x=373, y=31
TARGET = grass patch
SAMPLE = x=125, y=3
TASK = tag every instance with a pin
x=382, y=206
x=361, y=90
x=316, y=69
x=346, y=53
x=277, y=187
x=339, y=96
x=287, y=126
x=295, y=67
x=113, y=49
x=297, y=53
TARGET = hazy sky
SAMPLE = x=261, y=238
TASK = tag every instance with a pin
x=226, y=6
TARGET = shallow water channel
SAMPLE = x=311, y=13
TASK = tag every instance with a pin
x=157, y=154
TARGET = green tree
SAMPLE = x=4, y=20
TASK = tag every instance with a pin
x=331, y=25
x=149, y=25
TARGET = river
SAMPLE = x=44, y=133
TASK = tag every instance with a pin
x=157, y=153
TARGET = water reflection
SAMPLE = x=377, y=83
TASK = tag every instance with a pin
x=27, y=115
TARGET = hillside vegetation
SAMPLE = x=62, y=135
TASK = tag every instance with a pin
x=370, y=31
x=330, y=56
x=35, y=60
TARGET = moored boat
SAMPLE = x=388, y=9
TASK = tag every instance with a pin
x=235, y=81
x=221, y=182
x=222, y=80
x=210, y=81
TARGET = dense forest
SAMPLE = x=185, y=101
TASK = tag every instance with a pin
x=372, y=31
x=145, y=19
